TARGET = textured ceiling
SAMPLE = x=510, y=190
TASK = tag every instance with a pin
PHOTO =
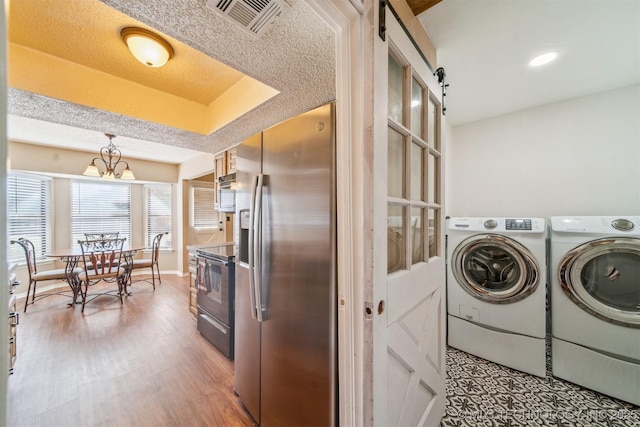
x=53, y=27
x=295, y=57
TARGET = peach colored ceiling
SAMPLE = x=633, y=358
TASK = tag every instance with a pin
x=72, y=50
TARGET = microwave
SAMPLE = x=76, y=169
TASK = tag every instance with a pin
x=227, y=193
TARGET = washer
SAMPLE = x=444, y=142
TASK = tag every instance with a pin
x=595, y=303
x=496, y=290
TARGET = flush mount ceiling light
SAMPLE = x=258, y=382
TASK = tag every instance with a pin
x=110, y=157
x=148, y=47
x=543, y=59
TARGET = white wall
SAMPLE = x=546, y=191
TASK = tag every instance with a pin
x=576, y=157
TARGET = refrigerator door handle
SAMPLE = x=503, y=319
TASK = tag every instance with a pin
x=251, y=247
x=257, y=249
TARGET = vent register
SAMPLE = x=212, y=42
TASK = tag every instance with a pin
x=253, y=16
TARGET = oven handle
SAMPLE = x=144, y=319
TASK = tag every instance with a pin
x=214, y=261
x=257, y=249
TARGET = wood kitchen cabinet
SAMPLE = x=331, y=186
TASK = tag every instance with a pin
x=231, y=160
x=225, y=164
x=193, y=289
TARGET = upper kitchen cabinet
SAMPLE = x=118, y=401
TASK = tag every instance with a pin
x=231, y=160
x=225, y=164
x=220, y=164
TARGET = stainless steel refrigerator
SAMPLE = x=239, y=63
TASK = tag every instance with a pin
x=285, y=357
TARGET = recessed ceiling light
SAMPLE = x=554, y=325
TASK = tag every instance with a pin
x=543, y=59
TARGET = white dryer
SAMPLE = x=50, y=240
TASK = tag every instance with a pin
x=496, y=290
x=595, y=303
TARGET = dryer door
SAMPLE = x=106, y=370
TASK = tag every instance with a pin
x=495, y=268
x=603, y=277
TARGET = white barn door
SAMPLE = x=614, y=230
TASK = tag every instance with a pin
x=409, y=289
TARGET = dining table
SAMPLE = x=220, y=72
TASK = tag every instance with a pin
x=73, y=257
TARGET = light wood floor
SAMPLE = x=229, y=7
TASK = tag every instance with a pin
x=142, y=363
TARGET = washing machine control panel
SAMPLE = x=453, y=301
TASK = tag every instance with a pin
x=517, y=224
x=498, y=225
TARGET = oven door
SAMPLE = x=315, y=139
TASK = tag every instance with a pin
x=212, y=279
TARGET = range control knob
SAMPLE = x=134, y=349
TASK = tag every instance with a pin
x=490, y=224
x=622, y=224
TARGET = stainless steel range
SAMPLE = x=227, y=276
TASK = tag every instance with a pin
x=215, y=280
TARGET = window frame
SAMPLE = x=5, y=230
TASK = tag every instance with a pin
x=43, y=243
x=166, y=242
x=209, y=214
x=123, y=227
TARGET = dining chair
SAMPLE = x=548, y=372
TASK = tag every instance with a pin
x=151, y=263
x=105, y=255
x=101, y=237
x=35, y=276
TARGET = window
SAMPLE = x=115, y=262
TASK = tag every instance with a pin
x=414, y=209
x=158, y=202
x=29, y=213
x=204, y=214
x=100, y=207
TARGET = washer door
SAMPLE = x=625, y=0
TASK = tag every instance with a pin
x=603, y=277
x=495, y=268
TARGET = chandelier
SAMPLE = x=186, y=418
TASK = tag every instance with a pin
x=111, y=157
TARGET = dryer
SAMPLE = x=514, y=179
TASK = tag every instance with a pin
x=595, y=303
x=496, y=290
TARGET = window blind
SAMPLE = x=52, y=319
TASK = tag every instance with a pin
x=158, y=198
x=204, y=213
x=100, y=207
x=29, y=213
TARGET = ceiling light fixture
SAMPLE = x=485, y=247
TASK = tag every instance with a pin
x=111, y=153
x=148, y=47
x=543, y=59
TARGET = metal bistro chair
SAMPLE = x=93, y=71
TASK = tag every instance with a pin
x=151, y=263
x=35, y=276
x=102, y=237
x=102, y=263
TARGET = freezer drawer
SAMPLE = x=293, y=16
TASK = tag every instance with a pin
x=216, y=332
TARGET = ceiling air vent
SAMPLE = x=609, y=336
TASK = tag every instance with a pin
x=254, y=16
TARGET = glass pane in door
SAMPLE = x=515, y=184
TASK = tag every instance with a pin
x=395, y=239
x=417, y=235
x=416, y=108
x=431, y=125
x=396, y=80
x=433, y=222
x=395, y=164
x=432, y=174
x=417, y=172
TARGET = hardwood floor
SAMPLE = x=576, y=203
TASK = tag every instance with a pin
x=142, y=363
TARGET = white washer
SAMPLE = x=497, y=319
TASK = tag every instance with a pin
x=496, y=290
x=595, y=303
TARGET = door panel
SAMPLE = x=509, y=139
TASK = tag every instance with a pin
x=412, y=358
x=299, y=333
x=247, y=329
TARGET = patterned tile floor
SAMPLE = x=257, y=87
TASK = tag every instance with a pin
x=482, y=393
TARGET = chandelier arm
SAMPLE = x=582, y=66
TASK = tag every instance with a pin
x=111, y=157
